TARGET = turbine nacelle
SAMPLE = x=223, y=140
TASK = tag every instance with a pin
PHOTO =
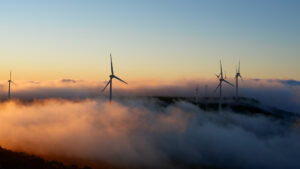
x=10, y=81
x=223, y=80
x=238, y=75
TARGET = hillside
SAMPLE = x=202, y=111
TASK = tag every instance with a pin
x=18, y=160
x=243, y=105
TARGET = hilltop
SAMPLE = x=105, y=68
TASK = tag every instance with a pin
x=242, y=105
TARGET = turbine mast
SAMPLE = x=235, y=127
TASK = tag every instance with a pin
x=237, y=76
x=197, y=94
x=205, y=91
x=221, y=80
x=110, y=90
x=236, y=87
x=9, y=81
x=220, y=97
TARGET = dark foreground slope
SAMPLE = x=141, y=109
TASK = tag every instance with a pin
x=17, y=160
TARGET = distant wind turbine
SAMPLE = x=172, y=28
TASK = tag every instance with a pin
x=9, y=82
x=197, y=94
x=205, y=90
x=221, y=80
x=111, y=78
x=237, y=75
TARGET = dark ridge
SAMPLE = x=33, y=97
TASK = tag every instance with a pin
x=18, y=160
x=31, y=101
x=243, y=105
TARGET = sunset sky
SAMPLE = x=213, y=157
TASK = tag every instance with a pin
x=170, y=39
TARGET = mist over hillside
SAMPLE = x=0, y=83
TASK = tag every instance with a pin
x=139, y=133
x=154, y=126
x=283, y=94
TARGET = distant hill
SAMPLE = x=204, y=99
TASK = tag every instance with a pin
x=242, y=105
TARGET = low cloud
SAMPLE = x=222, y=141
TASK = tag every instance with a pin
x=283, y=94
x=291, y=82
x=68, y=80
x=139, y=133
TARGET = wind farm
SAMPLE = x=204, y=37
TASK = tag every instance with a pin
x=149, y=84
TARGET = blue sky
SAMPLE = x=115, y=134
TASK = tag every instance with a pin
x=149, y=39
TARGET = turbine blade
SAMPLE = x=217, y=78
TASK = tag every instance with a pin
x=221, y=69
x=217, y=87
x=120, y=79
x=13, y=82
x=228, y=83
x=241, y=78
x=106, y=85
x=10, y=75
x=239, y=66
x=111, y=65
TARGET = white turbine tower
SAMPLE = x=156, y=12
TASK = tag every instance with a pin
x=221, y=80
x=111, y=78
x=9, y=83
x=237, y=76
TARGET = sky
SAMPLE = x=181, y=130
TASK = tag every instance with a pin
x=169, y=40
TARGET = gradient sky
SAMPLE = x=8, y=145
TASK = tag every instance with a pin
x=172, y=39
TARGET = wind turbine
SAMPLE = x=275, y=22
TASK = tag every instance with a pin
x=197, y=94
x=237, y=76
x=111, y=78
x=9, y=82
x=221, y=80
x=205, y=91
